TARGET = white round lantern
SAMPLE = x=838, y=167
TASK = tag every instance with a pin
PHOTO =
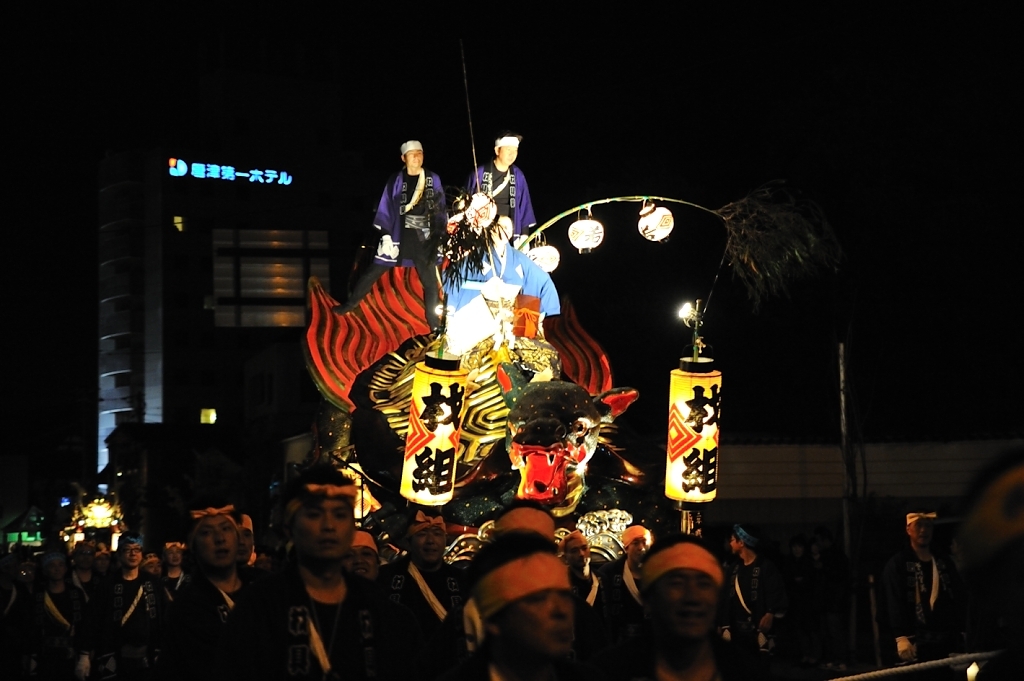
x=546, y=257
x=481, y=211
x=586, y=235
x=656, y=222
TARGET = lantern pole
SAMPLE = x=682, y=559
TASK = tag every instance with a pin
x=617, y=199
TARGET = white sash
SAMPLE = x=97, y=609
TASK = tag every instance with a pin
x=736, y=584
x=135, y=603
x=417, y=194
x=432, y=601
x=935, y=583
x=501, y=187
x=316, y=644
x=627, y=577
x=594, y=584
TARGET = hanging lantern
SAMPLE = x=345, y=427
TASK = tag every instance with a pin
x=435, y=421
x=691, y=462
x=587, y=234
x=546, y=257
x=656, y=222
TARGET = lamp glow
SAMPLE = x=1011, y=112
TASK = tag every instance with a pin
x=435, y=423
x=656, y=222
x=686, y=311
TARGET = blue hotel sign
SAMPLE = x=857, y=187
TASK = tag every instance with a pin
x=210, y=171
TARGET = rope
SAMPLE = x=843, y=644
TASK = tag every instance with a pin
x=469, y=115
x=922, y=666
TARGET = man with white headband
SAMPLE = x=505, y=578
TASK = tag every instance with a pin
x=575, y=550
x=522, y=592
x=363, y=559
x=682, y=588
x=128, y=611
x=925, y=598
x=756, y=596
x=410, y=211
x=313, y=621
x=421, y=580
x=504, y=182
x=201, y=606
x=624, y=582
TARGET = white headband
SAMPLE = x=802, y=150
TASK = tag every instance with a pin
x=507, y=142
x=914, y=517
x=411, y=145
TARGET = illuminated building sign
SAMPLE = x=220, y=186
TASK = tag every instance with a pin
x=178, y=167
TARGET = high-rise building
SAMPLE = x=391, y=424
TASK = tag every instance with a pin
x=205, y=249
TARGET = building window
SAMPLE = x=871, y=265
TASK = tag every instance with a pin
x=179, y=223
x=208, y=416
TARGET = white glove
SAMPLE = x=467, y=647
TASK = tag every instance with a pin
x=907, y=650
x=726, y=634
x=82, y=667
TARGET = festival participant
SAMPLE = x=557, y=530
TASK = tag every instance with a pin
x=127, y=611
x=925, y=599
x=682, y=583
x=174, y=576
x=411, y=209
x=522, y=590
x=422, y=581
x=58, y=620
x=101, y=561
x=504, y=182
x=313, y=621
x=992, y=543
x=14, y=602
x=363, y=559
x=82, y=574
x=756, y=595
x=246, y=542
x=196, y=622
x=575, y=550
x=151, y=564
x=623, y=580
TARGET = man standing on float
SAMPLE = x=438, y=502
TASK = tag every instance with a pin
x=504, y=182
x=411, y=208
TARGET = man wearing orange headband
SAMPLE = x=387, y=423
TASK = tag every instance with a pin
x=575, y=550
x=174, y=577
x=196, y=622
x=313, y=621
x=522, y=591
x=623, y=580
x=682, y=587
x=422, y=581
x=925, y=598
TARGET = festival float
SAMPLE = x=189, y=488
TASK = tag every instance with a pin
x=502, y=402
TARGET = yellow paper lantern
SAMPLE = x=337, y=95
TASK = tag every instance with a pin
x=691, y=457
x=435, y=422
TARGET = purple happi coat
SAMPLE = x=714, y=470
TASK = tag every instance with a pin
x=523, y=219
x=389, y=214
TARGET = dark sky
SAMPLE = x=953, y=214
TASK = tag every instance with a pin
x=900, y=128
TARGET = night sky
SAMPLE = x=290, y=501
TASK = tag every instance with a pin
x=900, y=128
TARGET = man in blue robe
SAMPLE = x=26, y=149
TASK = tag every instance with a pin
x=504, y=182
x=411, y=208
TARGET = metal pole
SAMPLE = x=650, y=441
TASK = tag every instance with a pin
x=874, y=620
x=848, y=491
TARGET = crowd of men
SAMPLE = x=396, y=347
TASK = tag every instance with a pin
x=526, y=607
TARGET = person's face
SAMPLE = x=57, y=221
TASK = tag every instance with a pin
x=506, y=155
x=101, y=562
x=798, y=550
x=577, y=555
x=362, y=561
x=130, y=556
x=84, y=558
x=322, y=529
x=245, y=544
x=173, y=557
x=683, y=604
x=635, y=551
x=215, y=543
x=413, y=161
x=55, y=570
x=735, y=545
x=815, y=551
x=152, y=567
x=920, y=532
x=264, y=562
x=426, y=547
x=538, y=626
